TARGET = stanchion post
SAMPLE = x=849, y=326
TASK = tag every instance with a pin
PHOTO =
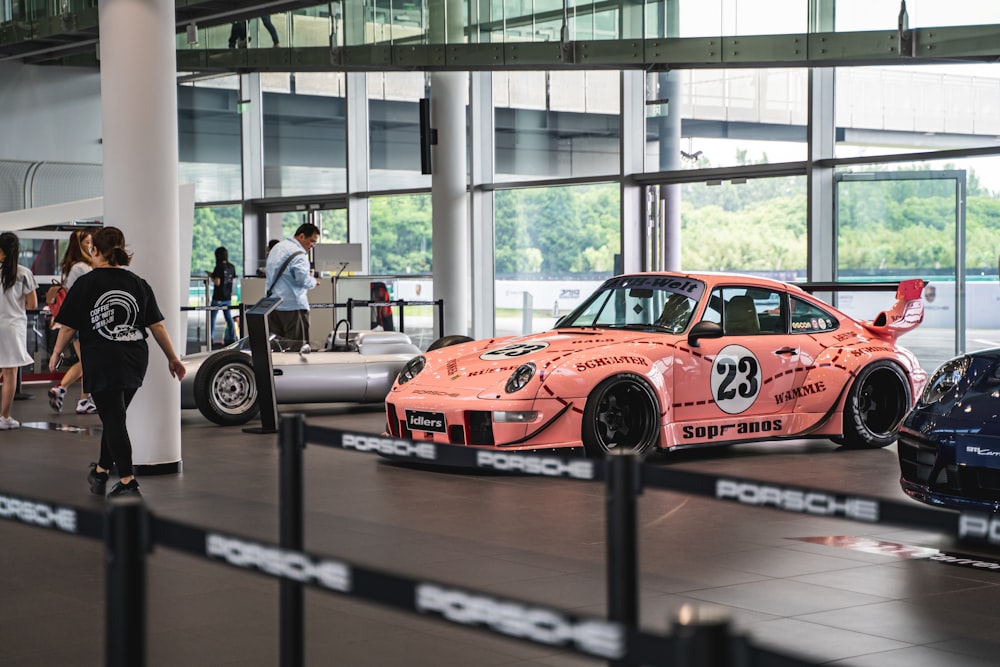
x=622, y=540
x=263, y=369
x=291, y=442
x=440, y=305
x=126, y=541
x=702, y=639
x=402, y=309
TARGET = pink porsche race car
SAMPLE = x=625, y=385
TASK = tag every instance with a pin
x=667, y=361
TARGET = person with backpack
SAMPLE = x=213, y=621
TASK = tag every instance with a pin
x=75, y=262
x=112, y=308
x=223, y=276
x=17, y=297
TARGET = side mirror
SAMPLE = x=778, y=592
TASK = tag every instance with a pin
x=704, y=329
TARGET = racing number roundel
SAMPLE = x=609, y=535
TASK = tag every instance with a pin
x=736, y=378
x=508, y=352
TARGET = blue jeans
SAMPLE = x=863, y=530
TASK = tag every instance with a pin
x=230, y=334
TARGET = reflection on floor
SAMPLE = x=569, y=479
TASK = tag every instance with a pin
x=831, y=591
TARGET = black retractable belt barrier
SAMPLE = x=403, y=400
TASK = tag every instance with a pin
x=127, y=539
x=291, y=442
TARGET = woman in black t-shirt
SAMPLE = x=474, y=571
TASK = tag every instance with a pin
x=112, y=308
x=223, y=277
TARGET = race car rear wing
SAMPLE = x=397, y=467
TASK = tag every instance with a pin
x=905, y=314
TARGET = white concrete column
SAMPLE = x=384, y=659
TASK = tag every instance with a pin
x=139, y=122
x=450, y=228
x=450, y=224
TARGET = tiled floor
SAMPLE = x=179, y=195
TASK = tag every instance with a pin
x=528, y=538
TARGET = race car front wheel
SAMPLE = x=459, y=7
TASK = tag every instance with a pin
x=876, y=404
x=622, y=414
x=225, y=390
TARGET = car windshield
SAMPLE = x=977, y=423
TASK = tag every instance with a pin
x=649, y=303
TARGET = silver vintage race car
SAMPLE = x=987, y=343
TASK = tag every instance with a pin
x=353, y=366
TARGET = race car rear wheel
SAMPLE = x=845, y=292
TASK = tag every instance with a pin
x=876, y=404
x=621, y=414
x=225, y=390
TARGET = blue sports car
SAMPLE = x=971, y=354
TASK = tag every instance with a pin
x=949, y=443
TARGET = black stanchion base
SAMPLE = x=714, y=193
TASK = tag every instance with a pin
x=259, y=429
x=150, y=469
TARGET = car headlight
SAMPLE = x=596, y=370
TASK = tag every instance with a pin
x=520, y=378
x=411, y=369
x=945, y=379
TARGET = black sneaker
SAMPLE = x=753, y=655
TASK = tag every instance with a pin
x=130, y=490
x=98, y=480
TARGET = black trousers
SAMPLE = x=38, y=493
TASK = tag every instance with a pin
x=116, y=446
x=291, y=326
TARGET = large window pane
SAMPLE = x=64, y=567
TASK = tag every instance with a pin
x=214, y=226
x=884, y=110
x=907, y=229
x=554, y=246
x=729, y=117
x=704, y=18
x=394, y=123
x=400, y=235
x=305, y=151
x=208, y=124
x=899, y=224
x=754, y=227
x=884, y=14
x=556, y=124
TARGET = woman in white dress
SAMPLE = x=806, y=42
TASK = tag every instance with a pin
x=18, y=295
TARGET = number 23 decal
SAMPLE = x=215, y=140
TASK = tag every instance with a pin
x=513, y=351
x=736, y=378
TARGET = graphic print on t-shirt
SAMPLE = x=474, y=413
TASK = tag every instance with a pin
x=114, y=316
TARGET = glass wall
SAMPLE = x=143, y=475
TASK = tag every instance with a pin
x=394, y=127
x=305, y=148
x=554, y=246
x=214, y=226
x=400, y=238
x=729, y=117
x=208, y=126
x=854, y=15
x=885, y=110
x=757, y=226
x=704, y=18
x=556, y=124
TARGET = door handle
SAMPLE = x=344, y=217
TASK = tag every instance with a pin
x=787, y=350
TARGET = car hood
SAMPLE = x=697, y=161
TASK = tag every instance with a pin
x=971, y=407
x=486, y=364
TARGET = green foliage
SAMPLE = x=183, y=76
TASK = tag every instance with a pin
x=400, y=234
x=557, y=230
x=216, y=226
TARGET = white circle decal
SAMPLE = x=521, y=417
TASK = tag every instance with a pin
x=508, y=352
x=736, y=378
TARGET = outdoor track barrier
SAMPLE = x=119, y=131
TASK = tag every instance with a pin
x=130, y=531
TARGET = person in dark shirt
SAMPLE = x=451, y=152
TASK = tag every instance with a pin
x=112, y=307
x=223, y=276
